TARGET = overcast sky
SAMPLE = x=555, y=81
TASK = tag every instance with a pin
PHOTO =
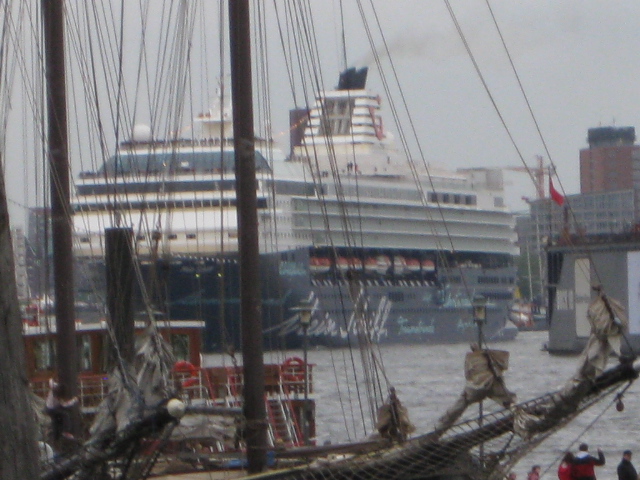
x=578, y=60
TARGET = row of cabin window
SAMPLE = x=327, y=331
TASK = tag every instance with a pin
x=193, y=236
x=455, y=198
x=154, y=236
x=485, y=280
x=45, y=349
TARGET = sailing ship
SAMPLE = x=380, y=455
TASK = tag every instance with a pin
x=198, y=385
x=418, y=290
x=483, y=447
x=528, y=316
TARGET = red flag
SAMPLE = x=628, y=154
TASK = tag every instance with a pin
x=555, y=195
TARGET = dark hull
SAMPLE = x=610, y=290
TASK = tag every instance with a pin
x=415, y=316
x=397, y=310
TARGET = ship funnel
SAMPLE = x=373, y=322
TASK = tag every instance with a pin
x=353, y=79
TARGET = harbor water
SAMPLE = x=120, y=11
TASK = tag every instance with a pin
x=428, y=380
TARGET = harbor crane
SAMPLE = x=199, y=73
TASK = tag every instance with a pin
x=536, y=173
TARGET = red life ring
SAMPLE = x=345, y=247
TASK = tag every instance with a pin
x=293, y=369
x=187, y=367
x=190, y=382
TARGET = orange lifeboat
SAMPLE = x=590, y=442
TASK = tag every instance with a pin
x=413, y=265
x=319, y=264
x=370, y=265
x=428, y=266
x=354, y=263
x=342, y=264
x=348, y=263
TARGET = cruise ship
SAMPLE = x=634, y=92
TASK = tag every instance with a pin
x=350, y=230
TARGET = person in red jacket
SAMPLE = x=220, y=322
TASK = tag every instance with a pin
x=566, y=467
x=583, y=463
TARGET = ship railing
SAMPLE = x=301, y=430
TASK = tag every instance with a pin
x=291, y=375
x=220, y=386
x=235, y=383
x=291, y=389
x=283, y=429
x=224, y=385
x=91, y=390
x=194, y=388
x=271, y=430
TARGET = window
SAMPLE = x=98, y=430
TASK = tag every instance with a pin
x=44, y=352
x=337, y=119
x=180, y=344
x=84, y=349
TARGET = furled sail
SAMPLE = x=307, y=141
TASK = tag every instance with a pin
x=484, y=373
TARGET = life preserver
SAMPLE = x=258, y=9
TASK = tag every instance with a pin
x=187, y=367
x=293, y=369
x=189, y=382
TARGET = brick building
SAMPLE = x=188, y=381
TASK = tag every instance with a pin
x=607, y=164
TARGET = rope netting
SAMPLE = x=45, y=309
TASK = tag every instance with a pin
x=484, y=448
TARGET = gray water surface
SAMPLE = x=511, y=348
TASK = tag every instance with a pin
x=428, y=379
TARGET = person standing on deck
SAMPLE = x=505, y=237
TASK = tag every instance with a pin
x=566, y=466
x=626, y=470
x=583, y=463
x=58, y=409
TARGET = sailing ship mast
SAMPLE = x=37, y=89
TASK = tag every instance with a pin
x=248, y=246
x=58, y=158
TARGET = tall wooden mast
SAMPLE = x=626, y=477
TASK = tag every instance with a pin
x=58, y=160
x=245, y=169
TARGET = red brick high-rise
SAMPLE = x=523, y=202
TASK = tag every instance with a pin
x=607, y=164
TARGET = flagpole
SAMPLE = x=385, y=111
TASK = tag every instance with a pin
x=550, y=240
x=558, y=198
